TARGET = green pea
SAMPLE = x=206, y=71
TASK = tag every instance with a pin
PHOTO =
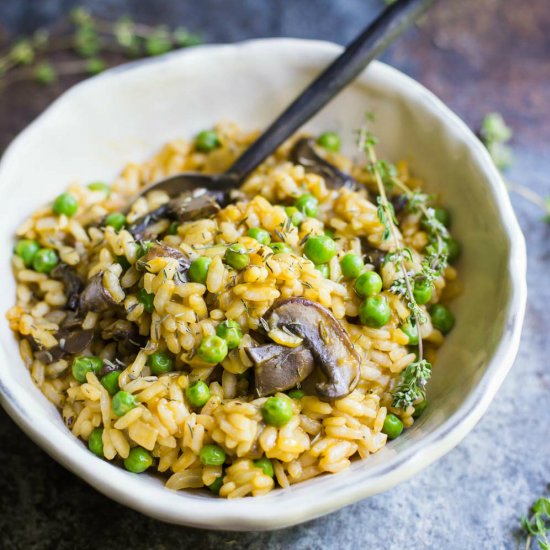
x=352, y=265
x=123, y=402
x=265, y=465
x=392, y=426
x=422, y=291
x=207, y=141
x=198, y=394
x=442, y=216
x=261, y=235
x=138, y=460
x=116, y=220
x=442, y=318
x=236, y=257
x=26, y=250
x=45, y=260
x=411, y=331
x=198, y=270
x=212, y=349
x=419, y=408
x=296, y=394
x=323, y=269
x=65, y=204
x=160, y=363
x=110, y=382
x=173, y=228
x=83, y=365
x=453, y=249
x=330, y=141
x=330, y=233
x=212, y=455
x=277, y=411
x=296, y=217
x=368, y=284
x=100, y=186
x=375, y=311
x=320, y=249
x=95, y=442
x=280, y=248
x=147, y=299
x=231, y=332
x=307, y=205
x=215, y=486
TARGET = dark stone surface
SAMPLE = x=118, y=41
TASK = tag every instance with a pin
x=478, y=56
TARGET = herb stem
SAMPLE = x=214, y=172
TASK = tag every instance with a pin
x=528, y=194
x=368, y=147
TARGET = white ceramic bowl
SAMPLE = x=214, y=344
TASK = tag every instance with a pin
x=128, y=113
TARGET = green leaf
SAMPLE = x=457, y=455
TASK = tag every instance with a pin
x=45, y=73
x=411, y=386
x=494, y=129
x=541, y=526
x=547, y=203
x=183, y=38
x=95, y=65
x=125, y=35
x=159, y=41
x=542, y=506
x=22, y=52
x=81, y=16
x=501, y=154
x=87, y=42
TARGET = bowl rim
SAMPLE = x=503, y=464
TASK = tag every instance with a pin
x=249, y=514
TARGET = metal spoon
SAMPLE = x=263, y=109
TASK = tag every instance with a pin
x=370, y=43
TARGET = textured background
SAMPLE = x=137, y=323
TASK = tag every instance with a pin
x=478, y=56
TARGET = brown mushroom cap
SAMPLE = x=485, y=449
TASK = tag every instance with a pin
x=161, y=250
x=303, y=152
x=72, y=282
x=278, y=368
x=188, y=206
x=95, y=296
x=325, y=341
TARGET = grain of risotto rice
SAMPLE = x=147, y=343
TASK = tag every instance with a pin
x=151, y=341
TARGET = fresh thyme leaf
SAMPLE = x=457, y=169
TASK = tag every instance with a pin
x=30, y=58
x=495, y=135
x=412, y=384
x=538, y=524
x=494, y=129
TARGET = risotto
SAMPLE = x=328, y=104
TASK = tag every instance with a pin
x=237, y=341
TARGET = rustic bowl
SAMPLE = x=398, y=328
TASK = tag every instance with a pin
x=127, y=113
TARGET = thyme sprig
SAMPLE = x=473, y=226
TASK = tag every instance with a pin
x=89, y=38
x=413, y=380
x=412, y=385
x=538, y=524
x=496, y=135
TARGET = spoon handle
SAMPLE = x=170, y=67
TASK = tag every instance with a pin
x=370, y=43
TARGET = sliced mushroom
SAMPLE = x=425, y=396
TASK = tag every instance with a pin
x=71, y=337
x=303, y=152
x=95, y=297
x=191, y=205
x=72, y=282
x=161, y=250
x=326, y=340
x=76, y=340
x=279, y=368
x=126, y=334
